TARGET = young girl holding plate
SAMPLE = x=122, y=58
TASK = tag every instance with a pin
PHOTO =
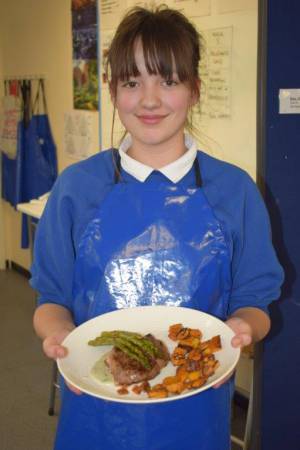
x=154, y=222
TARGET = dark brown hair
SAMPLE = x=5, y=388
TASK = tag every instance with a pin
x=168, y=39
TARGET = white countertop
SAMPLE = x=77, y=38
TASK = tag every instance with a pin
x=34, y=208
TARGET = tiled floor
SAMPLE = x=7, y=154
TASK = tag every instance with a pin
x=25, y=374
x=24, y=371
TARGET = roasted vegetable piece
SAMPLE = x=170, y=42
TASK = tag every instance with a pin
x=139, y=388
x=122, y=391
x=158, y=391
x=190, y=342
x=198, y=383
x=195, y=354
x=194, y=359
x=170, y=380
x=184, y=333
x=181, y=373
x=180, y=351
x=175, y=388
x=192, y=376
x=178, y=361
x=174, y=330
x=212, y=345
x=195, y=333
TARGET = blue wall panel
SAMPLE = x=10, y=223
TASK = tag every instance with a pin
x=280, y=419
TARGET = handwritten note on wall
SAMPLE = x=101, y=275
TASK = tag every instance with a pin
x=215, y=73
x=78, y=132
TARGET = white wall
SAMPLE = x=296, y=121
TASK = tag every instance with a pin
x=37, y=39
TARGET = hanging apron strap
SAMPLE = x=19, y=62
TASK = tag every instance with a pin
x=27, y=105
x=36, y=103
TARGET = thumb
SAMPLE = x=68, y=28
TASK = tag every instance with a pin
x=53, y=349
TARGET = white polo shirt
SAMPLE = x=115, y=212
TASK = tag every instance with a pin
x=174, y=171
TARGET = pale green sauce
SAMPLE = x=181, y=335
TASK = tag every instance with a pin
x=100, y=371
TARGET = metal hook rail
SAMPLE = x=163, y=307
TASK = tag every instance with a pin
x=24, y=77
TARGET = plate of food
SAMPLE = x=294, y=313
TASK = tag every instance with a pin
x=148, y=354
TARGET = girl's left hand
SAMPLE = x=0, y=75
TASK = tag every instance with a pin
x=243, y=337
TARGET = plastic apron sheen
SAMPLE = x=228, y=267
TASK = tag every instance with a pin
x=151, y=243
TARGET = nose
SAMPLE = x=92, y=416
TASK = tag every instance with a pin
x=150, y=98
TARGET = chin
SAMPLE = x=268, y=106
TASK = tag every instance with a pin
x=153, y=141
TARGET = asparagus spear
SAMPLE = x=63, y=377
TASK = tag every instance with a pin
x=133, y=351
x=133, y=344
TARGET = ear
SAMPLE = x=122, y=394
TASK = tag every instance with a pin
x=196, y=93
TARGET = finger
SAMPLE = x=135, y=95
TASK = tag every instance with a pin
x=60, y=351
x=54, y=351
x=74, y=389
x=241, y=340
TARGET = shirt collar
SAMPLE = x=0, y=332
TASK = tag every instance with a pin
x=174, y=171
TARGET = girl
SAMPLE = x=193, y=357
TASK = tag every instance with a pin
x=180, y=227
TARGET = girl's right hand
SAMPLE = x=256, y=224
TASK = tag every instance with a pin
x=53, y=349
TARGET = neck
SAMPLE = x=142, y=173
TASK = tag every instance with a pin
x=157, y=156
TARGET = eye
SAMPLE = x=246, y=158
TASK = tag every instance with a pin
x=130, y=84
x=170, y=82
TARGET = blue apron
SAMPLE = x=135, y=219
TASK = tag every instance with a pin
x=34, y=170
x=36, y=158
x=11, y=183
x=151, y=243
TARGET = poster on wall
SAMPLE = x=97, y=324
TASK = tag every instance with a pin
x=85, y=66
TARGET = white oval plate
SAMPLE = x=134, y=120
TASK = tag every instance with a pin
x=76, y=367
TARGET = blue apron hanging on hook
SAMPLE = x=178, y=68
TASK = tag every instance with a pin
x=36, y=161
x=21, y=90
x=34, y=170
x=37, y=164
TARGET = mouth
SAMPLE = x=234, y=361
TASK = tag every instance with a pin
x=151, y=119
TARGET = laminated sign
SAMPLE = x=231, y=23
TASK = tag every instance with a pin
x=289, y=101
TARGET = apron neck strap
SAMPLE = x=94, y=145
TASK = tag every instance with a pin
x=198, y=177
x=117, y=173
x=117, y=164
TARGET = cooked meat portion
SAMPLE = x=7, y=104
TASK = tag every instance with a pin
x=126, y=370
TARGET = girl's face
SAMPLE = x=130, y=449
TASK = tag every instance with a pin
x=152, y=109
